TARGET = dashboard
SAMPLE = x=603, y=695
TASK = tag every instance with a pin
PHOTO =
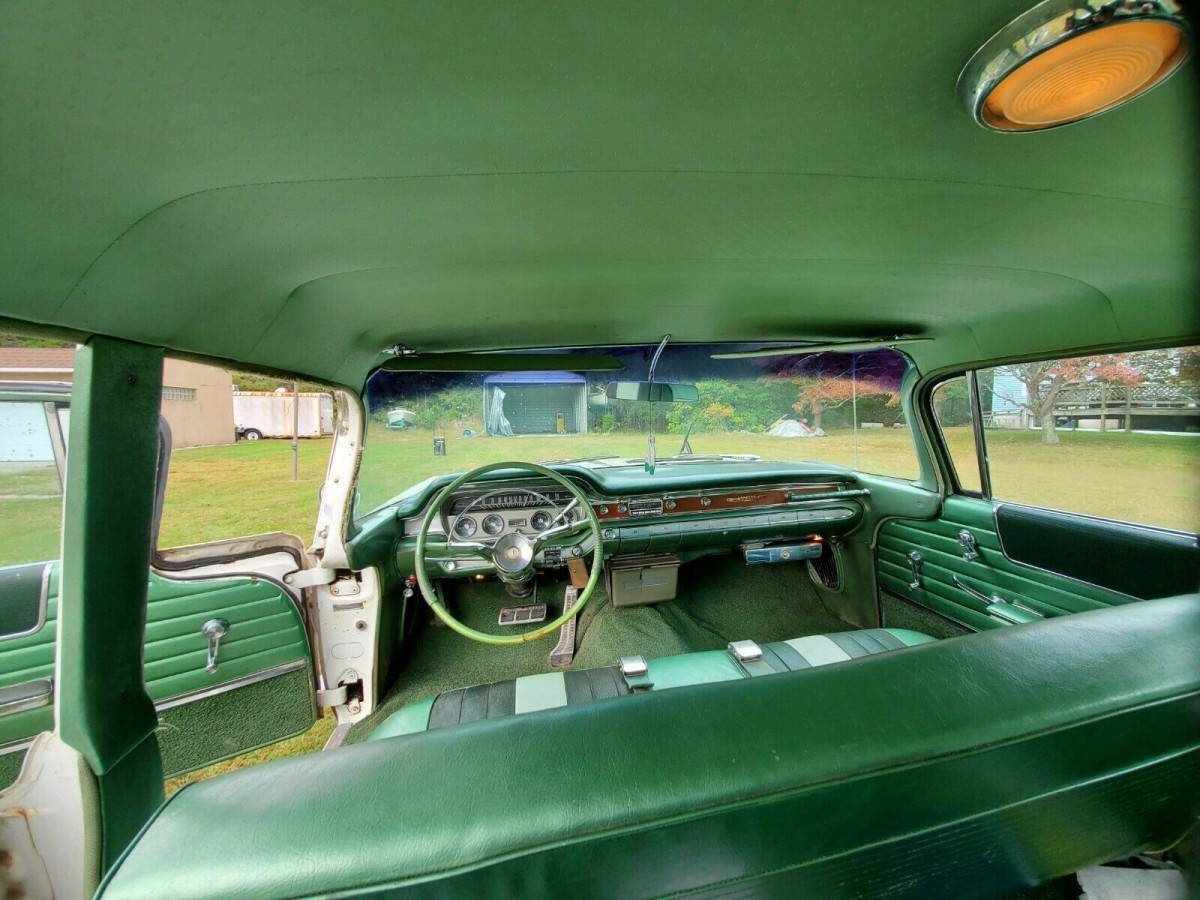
x=687, y=522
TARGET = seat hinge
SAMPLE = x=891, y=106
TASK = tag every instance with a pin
x=306, y=578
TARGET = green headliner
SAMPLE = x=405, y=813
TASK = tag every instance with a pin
x=299, y=185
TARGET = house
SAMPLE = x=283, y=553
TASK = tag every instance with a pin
x=197, y=399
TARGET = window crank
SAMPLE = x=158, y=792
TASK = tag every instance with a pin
x=914, y=562
x=970, y=547
x=214, y=630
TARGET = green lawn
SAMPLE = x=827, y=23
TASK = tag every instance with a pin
x=1148, y=478
x=246, y=488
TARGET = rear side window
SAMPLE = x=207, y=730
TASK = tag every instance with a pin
x=1115, y=436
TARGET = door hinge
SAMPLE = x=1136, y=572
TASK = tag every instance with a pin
x=306, y=578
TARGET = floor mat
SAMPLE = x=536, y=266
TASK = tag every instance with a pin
x=719, y=600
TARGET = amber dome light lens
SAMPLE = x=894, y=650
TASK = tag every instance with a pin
x=1085, y=75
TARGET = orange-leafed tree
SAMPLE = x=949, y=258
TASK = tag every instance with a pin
x=819, y=394
x=1045, y=380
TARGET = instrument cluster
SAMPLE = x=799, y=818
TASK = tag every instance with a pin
x=492, y=515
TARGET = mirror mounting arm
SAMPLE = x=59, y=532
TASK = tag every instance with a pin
x=650, y=461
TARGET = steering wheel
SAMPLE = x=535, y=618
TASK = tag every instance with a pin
x=510, y=556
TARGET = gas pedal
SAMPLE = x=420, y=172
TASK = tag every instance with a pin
x=523, y=615
x=563, y=653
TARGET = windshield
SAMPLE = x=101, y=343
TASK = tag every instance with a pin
x=839, y=408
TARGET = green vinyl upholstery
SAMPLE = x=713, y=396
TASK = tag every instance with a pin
x=553, y=689
x=966, y=767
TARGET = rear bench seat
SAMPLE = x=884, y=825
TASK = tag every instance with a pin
x=742, y=659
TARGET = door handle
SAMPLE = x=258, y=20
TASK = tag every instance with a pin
x=914, y=562
x=214, y=630
x=1006, y=610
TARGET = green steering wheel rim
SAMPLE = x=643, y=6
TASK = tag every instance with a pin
x=426, y=584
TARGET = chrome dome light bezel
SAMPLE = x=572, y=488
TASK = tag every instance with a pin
x=1048, y=25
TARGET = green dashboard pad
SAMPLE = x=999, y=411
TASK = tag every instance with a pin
x=981, y=763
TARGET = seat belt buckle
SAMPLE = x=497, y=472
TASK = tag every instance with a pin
x=749, y=657
x=744, y=651
x=636, y=672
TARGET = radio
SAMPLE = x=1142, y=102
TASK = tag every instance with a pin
x=651, y=506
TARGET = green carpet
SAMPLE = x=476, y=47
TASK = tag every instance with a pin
x=720, y=599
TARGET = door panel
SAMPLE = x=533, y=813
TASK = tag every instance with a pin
x=261, y=692
x=1145, y=563
x=1046, y=592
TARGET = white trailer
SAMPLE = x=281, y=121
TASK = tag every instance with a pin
x=266, y=414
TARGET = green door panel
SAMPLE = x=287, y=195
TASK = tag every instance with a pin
x=1138, y=561
x=27, y=659
x=993, y=573
x=265, y=631
x=266, y=638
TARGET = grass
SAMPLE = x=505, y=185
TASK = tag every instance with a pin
x=1148, y=478
x=246, y=488
x=394, y=460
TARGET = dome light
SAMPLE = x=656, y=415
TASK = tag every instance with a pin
x=1067, y=60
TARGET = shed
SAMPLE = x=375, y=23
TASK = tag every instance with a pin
x=535, y=403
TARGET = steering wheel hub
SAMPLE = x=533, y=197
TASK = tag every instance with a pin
x=513, y=558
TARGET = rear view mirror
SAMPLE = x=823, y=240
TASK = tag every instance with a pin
x=652, y=391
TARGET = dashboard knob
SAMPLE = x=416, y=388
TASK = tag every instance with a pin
x=603, y=510
x=706, y=501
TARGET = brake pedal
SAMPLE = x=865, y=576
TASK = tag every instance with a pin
x=523, y=615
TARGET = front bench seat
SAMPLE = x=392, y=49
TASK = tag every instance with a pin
x=968, y=767
x=553, y=689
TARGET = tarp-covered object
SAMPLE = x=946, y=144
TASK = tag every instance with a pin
x=792, y=428
x=494, y=417
x=535, y=403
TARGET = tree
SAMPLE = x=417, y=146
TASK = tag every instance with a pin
x=820, y=394
x=1045, y=380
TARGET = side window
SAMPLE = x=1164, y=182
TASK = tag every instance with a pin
x=234, y=470
x=1115, y=435
x=952, y=411
x=35, y=394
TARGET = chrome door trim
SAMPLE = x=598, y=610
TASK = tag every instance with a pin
x=26, y=696
x=244, y=681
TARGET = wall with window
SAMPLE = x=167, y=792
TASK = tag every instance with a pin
x=197, y=403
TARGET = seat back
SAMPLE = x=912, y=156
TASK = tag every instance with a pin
x=967, y=767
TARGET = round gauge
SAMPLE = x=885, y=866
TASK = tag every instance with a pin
x=540, y=521
x=493, y=525
x=465, y=527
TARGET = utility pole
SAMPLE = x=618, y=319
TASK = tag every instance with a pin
x=295, y=431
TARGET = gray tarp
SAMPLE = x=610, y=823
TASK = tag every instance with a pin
x=792, y=428
x=496, y=421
